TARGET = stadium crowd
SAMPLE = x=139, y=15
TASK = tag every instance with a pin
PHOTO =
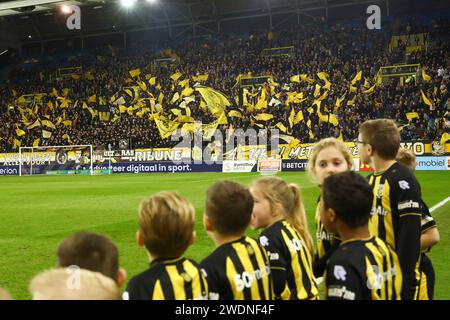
x=339, y=53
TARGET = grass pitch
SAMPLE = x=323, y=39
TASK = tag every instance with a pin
x=36, y=213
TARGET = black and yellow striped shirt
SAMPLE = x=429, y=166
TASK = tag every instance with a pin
x=396, y=218
x=290, y=261
x=326, y=243
x=177, y=279
x=325, y=239
x=364, y=270
x=238, y=270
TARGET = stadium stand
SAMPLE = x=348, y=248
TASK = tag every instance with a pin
x=330, y=85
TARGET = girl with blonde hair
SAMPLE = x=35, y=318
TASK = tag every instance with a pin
x=279, y=210
x=329, y=156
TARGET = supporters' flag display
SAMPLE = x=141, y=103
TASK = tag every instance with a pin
x=357, y=77
x=425, y=77
x=135, y=72
x=412, y=115
x=426, y=100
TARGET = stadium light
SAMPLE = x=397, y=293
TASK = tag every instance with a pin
x=151, y=1
x=66, y=9
x=127, y=3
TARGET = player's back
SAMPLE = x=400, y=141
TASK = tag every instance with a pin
x=239, y=270
x=177, y=279
x=366, y=269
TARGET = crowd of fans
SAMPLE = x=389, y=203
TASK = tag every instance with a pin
x=317, y=48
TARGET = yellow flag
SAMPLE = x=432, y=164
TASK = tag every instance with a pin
x=175, y=97
x=293, y=143
x=67, y=123
x=17, y=143
x=412, y=115
x=352, y=102
x=184, y=83
x=135, y=72
x=366, y=83
x=176, y=76
x=371, y=89
x=92, y=98
x=122, y=109
x=20, y=132
x=299, y=117
x=67, y=138
x=35, y=124
x=48, y=124
x=425, y=76
x=64, y=103
x=200, y=78
x=187, y=92
x=357, y=77
x=333, y=120
x=187, y=128
x=160, y=98
x=445, y=137
x=65, y=92
x=323, y=96
x=304, y=77
x=202, y=104
x=353, y=89
x=261, y=104
x=340, y=138
x=235, y=113
x=166, y=128
x=324, y=76
x=36, y=142
x=54, y=92
x=46, y=134
x=426, y=100
x=215, y=100
x=141, y=113
x=292, y=117
x=295, y=78
x=222, y=119
x=264, y=116
x=281, y=126
x=152, y=81
x=317, y=91
x=185, y=119
x=142, y=85
x=338, y=103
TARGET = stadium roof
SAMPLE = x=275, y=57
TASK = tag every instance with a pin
x=42, y=20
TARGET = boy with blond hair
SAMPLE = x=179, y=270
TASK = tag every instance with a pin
x=73, y=284
x=166, y=229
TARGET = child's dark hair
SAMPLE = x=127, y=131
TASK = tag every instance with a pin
x=229, y=205
x=350, y=196
x=91, y=251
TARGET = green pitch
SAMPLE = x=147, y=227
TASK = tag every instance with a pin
x=36, y=213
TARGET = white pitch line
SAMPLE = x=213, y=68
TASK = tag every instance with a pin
x=439, y=204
